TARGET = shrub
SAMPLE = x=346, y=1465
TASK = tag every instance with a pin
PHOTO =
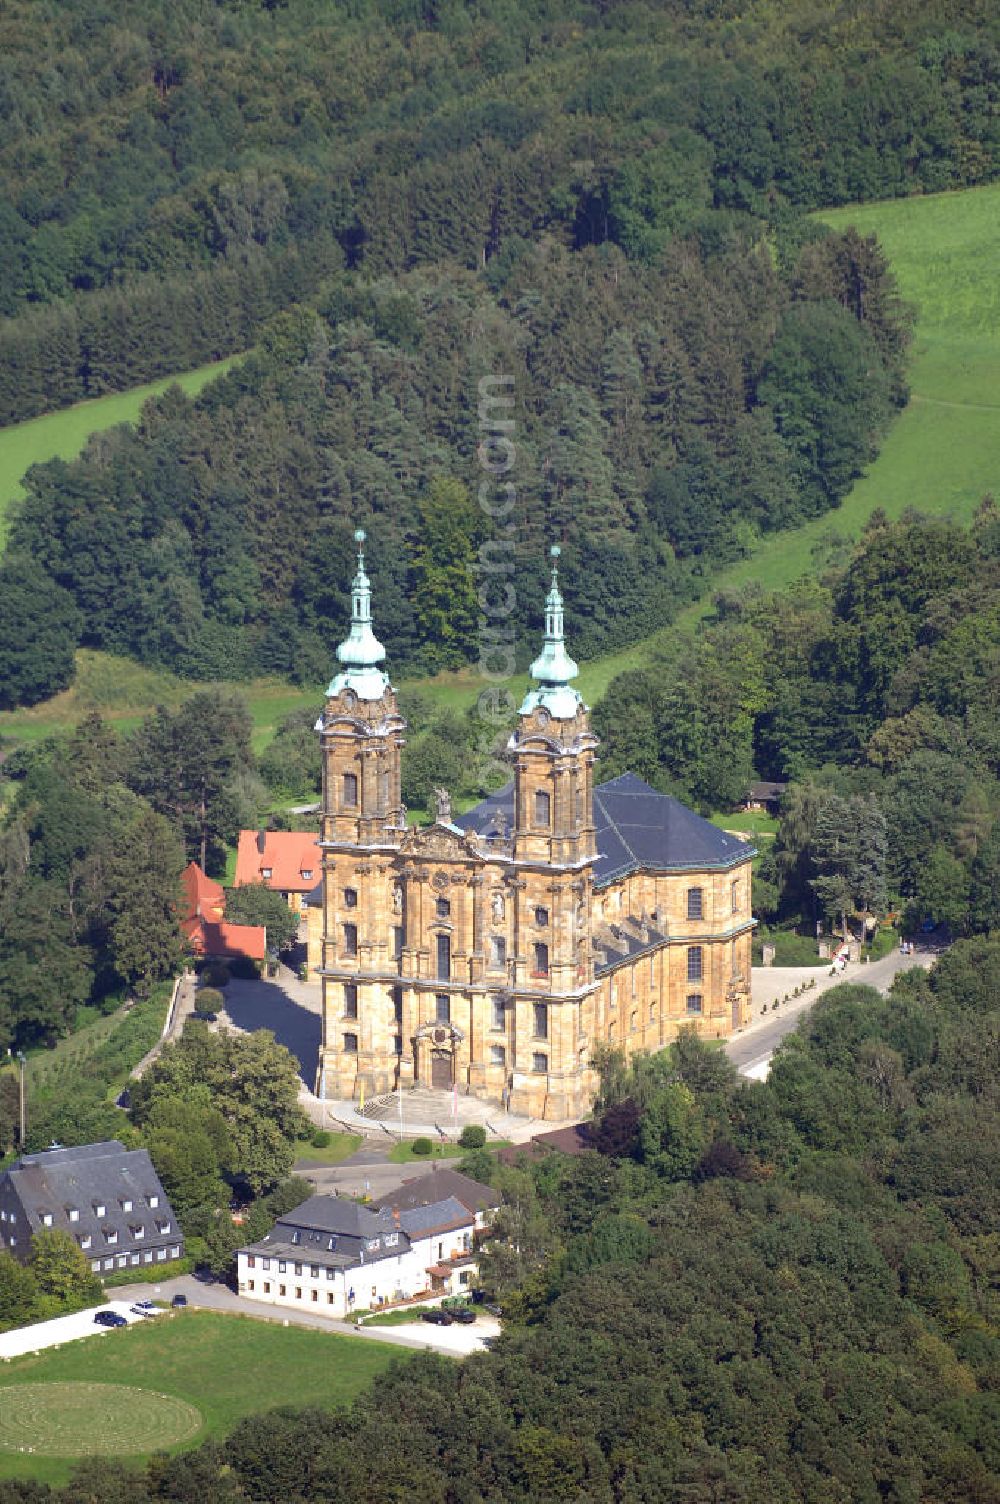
x=320, y=1139
x=422, y=1146
x=472, y=1136
x=208, y=1000
x=216, y=974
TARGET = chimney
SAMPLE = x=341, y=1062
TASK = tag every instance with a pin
x=261, y=841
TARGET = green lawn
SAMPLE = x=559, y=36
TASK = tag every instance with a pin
x=227, y=1366
x=402, y=1153
x=752, y=822
x=62, y=435
x=340, y=1147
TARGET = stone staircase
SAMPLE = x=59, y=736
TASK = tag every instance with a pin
x=423, y=1105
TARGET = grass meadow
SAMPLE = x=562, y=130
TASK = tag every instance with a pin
x=226, y=1366
x=62, y=435
x=941, y=455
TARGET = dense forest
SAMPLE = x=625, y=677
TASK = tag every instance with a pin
x=606, y=204
x=783, y=1291
x=175, y=170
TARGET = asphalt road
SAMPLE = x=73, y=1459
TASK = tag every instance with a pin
x=751, y=1050
x=456, y=1340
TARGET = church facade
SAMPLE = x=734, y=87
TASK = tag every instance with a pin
x=489, y=953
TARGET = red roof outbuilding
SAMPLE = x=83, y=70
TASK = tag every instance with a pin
x=204, y=927
x=288, y=861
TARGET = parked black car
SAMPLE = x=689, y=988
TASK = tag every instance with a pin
x=109, y=1318
x=464, y=1315
x=179, y=1300
x=439, y=1317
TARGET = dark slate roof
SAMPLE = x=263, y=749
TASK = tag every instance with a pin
x=437, y=1185
x=338, y=1214
x=623, y=940
x=439, y=1216
x=56, y=1181
x=635, y=827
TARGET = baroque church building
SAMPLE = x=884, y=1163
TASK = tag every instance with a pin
x=491, y=952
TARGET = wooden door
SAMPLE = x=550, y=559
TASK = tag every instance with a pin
x=441, y=1070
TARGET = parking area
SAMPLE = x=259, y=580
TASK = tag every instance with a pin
x=32, y=1339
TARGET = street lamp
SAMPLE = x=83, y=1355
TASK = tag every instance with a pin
x=22, y=1062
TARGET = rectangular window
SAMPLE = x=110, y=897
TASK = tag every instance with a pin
x=350, y=1044
x=444, y=958
x=350, y=1000
x=350, y=898
x=139, y=1232
x=498, y=1055
x=397, y=1044
x=250, y=1284
x=498, y=1020
x=350, y=939
x=100, y=1210
x=540, y=1020
x=265, y=1263
x=153, y=1201
x=539, y=1063
x=266, y=871
x=313, y=1295
x=397, y=942
x=298, y=1269
x=331, y=1274
x=282, y=1289
x=86, y=1240
x=329, y=1297
x=397, y=1004
x=350, y=791
x=541, y=918
x=251, y=1261
x=46, y=1219
x=694, y=963
x=314, y=1271
x=694, y=903
x=110, y=1263
x=112, y=1237
x=298, y=1292
x=161, y=1254
x=442, y=1008
x=74, y=1214
x=541, y=966
x=95, y=1265
x=694, y=1002
x=126, y=1206
x=134, y=1259
x=735, y=894
x=498, y=950
x=443, y=908
x=282, y=1266
x=267, y=1287
x=542, y=808
x=147, y=1257
x=175, y=1252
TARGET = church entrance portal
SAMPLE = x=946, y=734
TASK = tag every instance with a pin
x=441, y=1070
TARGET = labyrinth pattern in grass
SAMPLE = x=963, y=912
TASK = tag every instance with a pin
x=78, y=1420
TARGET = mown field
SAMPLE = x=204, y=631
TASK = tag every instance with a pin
x=226, y=1366
x=941, y=456
x=62, y=435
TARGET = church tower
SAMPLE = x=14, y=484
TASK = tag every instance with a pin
x=554, y=849
x=362, y=823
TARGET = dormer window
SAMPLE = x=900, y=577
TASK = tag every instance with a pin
x=127, y=1204
x=153, y=1201
x=296, y=1235
x=138, y=1232
x=100, y=1210
x=307, y=872
x=266, y=871
x=85, y=1240
x=46, y=1219
x=112, y=1236
x=73, y=1213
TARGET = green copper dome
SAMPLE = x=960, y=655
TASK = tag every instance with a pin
x=361, y=651
x=553, y=668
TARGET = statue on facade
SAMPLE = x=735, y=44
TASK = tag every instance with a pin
x=497, y=908
x=443, y=800
x=397, y=899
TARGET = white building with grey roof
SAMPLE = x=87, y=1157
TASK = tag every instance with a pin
x=335, y=1257
x=107, y=1198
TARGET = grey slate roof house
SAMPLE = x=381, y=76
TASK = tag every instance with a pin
x=107, y=1198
